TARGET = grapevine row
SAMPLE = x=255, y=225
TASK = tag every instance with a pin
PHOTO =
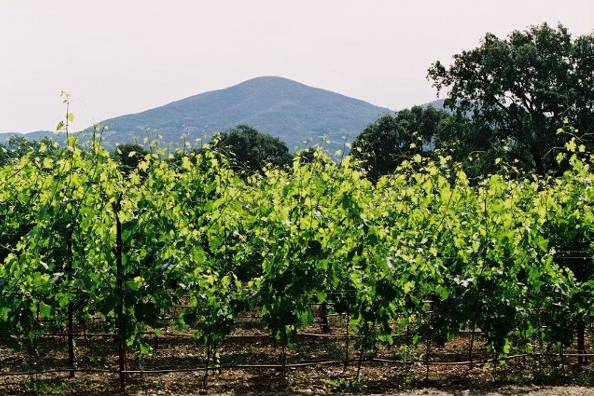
x=82, y=240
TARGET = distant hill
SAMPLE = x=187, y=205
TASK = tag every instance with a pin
x=37, y=135
x=438, y=104
x=296, y=113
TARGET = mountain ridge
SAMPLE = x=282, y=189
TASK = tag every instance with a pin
x=278, y=106
x=292, y=111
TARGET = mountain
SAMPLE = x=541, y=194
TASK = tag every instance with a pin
x=296, y=113
x=37, y=135
x=437, y=104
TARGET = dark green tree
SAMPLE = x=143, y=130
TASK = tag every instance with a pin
x=519, y=90
x=306, y=155
x=250, y=151
x=383, y=145
x=17, y=146
x=129, y=156
x=472, y=145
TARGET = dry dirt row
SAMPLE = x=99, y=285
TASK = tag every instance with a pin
x=547, y=376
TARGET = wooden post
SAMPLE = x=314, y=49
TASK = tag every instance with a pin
x=495, y=364
x=427, y=351
x=70, y=308
x=346, y=353
x=121, y=290
x=471, y=346
x=581, y=344
x=325, y=324
x=284, y=359
x=205, y=378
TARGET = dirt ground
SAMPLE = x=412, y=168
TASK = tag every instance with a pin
x=506, y=391
x=250, y=346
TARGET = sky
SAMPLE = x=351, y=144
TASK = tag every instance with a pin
x=117, y=57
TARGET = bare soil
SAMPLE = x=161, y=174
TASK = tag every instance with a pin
x=250, y=346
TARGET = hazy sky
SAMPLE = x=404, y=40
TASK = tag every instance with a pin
x=117, y=57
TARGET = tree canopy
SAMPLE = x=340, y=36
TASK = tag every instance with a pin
x=251, y=150
x=393, y=138
x=17, y=146
x=519, y=91
x=129, y=155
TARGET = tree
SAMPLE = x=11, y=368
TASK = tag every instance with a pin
x=129, y=156
x=306, y=155
x=383, y=145
x=250, y=150
x=472, y=145
x=519, y=90
x=17, y=146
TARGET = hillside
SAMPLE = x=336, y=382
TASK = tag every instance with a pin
x=37, y=135
x=294, y=112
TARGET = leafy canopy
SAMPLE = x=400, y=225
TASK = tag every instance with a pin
x=518, y=90
x=383, y=145
x=129, y=156
x=251, y=150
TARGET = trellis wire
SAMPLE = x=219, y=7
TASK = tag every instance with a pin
x=427, y=361
x=296, y=365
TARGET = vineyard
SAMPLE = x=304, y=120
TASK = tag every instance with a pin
x=394, y=270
